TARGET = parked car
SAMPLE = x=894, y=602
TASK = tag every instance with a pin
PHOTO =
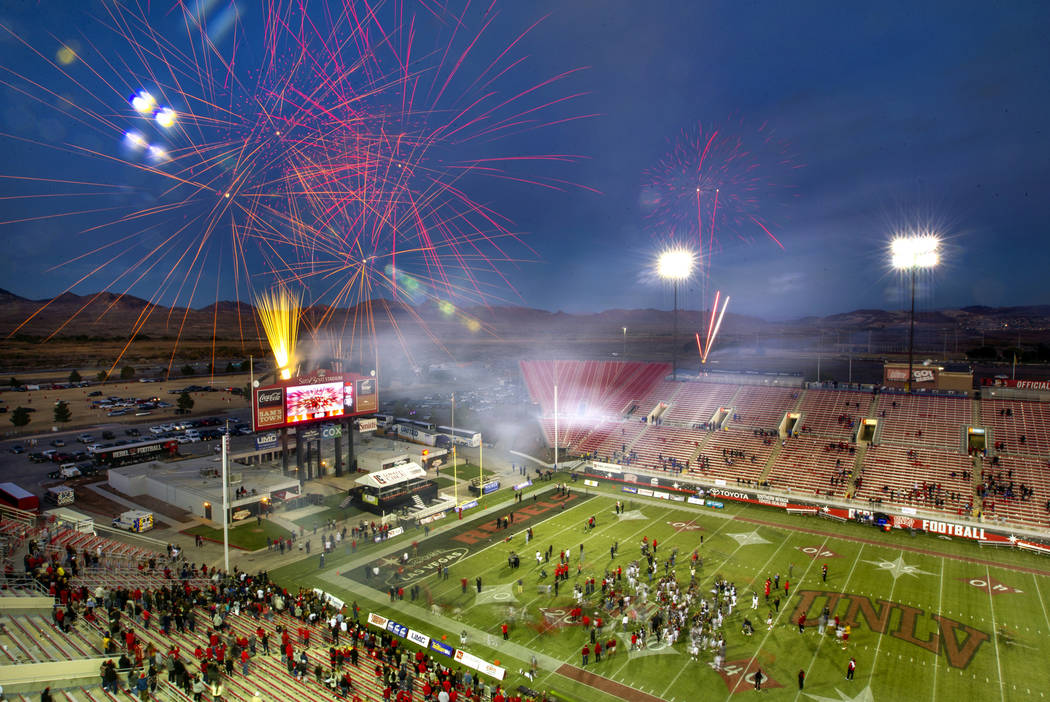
x=95, y=393
x=17, y=448
x=85, y=438
x=58, y=443
x=133, y=432
x=38, y=458
x=108, y=435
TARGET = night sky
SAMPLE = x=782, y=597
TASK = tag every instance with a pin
x=900, y=115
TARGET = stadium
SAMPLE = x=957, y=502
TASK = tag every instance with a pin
x=686, y=539
x=446, y=351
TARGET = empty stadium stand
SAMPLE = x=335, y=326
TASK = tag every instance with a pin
x=920, y=441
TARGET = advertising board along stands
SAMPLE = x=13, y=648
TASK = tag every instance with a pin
x=715, y=493
x=424, y=641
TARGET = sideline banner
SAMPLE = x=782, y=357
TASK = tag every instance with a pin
x=461, y=656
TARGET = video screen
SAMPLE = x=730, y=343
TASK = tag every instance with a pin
x=305, y=402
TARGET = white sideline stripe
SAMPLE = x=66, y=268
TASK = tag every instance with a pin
x=995, y=633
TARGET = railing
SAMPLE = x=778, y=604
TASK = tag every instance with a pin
x=22, y=582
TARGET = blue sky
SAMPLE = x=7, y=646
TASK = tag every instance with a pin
x=903, y=114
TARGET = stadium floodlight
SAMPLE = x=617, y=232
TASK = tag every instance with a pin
x=675, y=265
x=914, y=253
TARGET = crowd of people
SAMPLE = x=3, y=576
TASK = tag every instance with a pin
x=198, y=628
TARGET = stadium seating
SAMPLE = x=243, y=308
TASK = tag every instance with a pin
x=922, y=478
x=760, y=407
x=590, y=388
x=924, y=420
x=809, y=466
x=1030, y=419
x=931, y=425
x=695, y=403
x=828, y=413
x=1003, y=500
x=750, y=466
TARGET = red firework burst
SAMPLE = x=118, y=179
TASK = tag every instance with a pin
x=333, y=144
x=719, y=182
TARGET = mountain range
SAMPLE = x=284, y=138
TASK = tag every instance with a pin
x=111, y=315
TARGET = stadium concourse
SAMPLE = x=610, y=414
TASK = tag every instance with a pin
x=807, y=440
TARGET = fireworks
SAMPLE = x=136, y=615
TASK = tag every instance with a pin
x=713, y=325
x=714, y=184
x=718, y=182
x=279, y=314
x=333, y=147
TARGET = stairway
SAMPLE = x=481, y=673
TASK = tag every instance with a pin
x=417, y=502
x=858, y=462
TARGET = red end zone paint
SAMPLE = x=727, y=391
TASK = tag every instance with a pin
x=521, y=516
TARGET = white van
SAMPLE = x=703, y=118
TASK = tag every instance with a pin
x=134, y=520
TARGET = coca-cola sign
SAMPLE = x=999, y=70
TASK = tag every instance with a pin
x=268, y=398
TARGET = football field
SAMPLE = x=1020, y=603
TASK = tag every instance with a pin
x=930, y=618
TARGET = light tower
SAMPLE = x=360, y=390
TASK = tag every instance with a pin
x=913, y=253
x=675, y=265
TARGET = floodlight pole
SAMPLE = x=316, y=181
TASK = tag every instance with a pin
x=251, y=387
x=674, y=336
x=455, y=470
x=911, y=334
x=555, y=427
x=226, y=499
x=624, y=354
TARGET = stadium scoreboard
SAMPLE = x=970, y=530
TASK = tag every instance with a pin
x=317, y=397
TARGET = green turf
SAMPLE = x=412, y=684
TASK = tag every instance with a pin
x=466, y=471
x=984, y=646
x=248, y=536
x=444, y=482
x=331, y=511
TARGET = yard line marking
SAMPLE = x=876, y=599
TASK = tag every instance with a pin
x=1042, y=604
x=782, y=612
x=995, y=630
x=849, y=576
x=940, y=603
x=878, y=642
